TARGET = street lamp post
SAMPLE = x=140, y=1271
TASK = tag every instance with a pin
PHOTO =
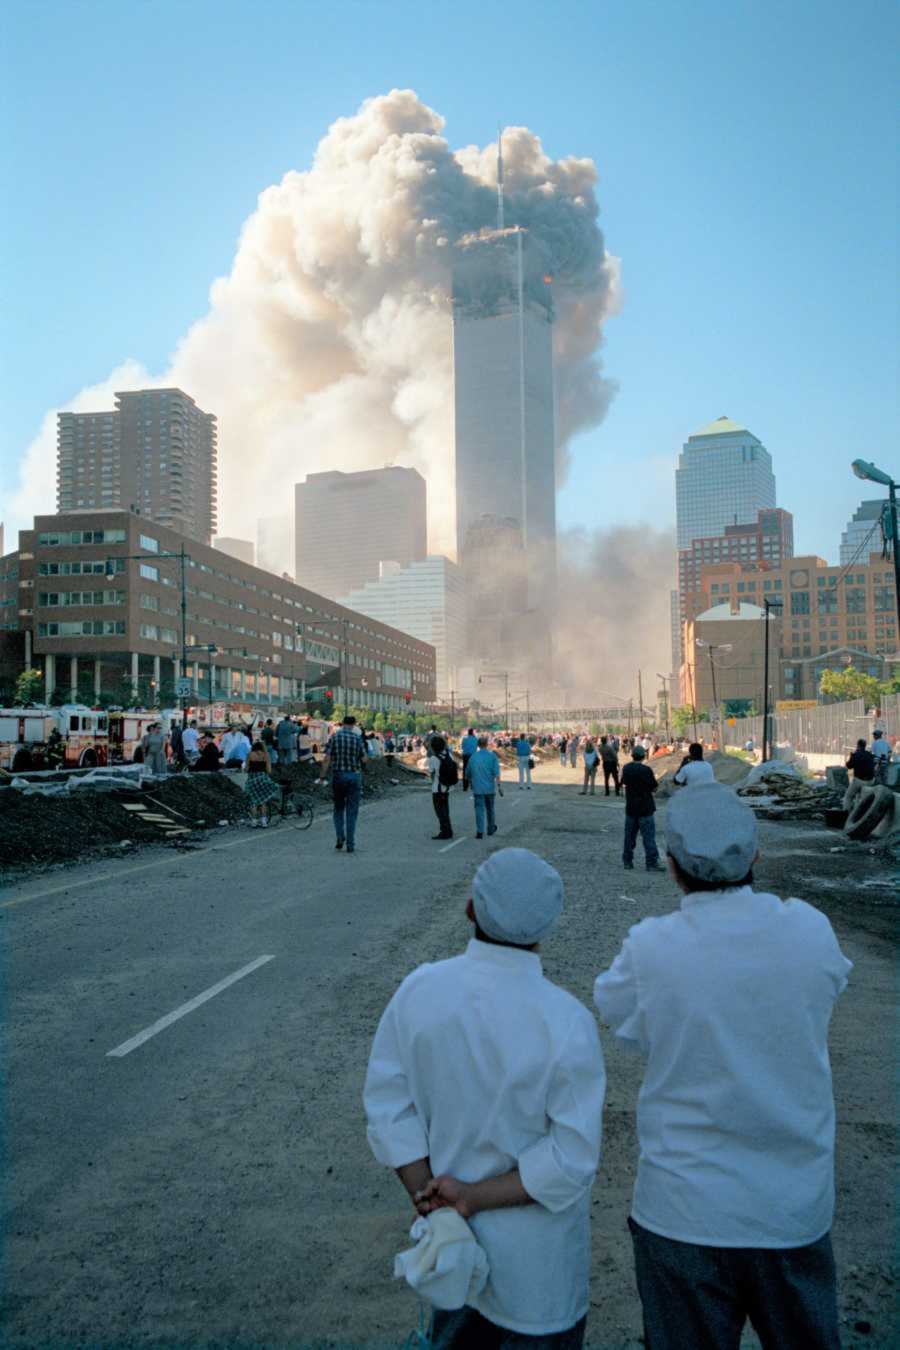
x=871, y=474
x=665, y=684
x=768, y=605
x=183, y=559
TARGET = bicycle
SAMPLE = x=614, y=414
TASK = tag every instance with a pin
x=295, y=808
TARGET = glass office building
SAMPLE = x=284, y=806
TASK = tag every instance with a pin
x=724, y=477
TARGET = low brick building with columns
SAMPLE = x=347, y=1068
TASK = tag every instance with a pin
x=93, y=600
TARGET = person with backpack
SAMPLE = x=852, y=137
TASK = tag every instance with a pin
x=444, y=777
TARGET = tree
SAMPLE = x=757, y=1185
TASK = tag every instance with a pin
x=28, y=686
x=380, y=724
x=891, y=686
x=841, y=685
x=683, y=719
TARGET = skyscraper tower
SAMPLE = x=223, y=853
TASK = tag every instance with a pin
x=504, y=431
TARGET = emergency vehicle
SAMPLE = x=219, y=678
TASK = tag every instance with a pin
x=81, y=742
x=127, y=729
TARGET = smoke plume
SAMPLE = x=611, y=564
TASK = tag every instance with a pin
x=614, y=611
x=328, y=344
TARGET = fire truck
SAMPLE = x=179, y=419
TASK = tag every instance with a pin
x=70, y=737
x=126, y=730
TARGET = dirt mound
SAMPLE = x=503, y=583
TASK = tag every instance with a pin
x=38, y=829
x=729, y=769
x=380, y=777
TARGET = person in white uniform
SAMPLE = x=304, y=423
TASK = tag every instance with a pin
x=485, y=1092
x=695, y=769
x=730, y=998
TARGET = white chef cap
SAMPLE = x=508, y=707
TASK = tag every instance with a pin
x=711, y=833
x=517, y=897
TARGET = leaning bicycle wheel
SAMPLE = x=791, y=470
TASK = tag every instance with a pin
x=302, y=812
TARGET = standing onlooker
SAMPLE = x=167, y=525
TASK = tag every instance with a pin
x=609, y=756
x=524, y=761
x=175, y=741
x=591, y=760
x=563, y=746
x=286, y=741
x=190, y=742
x=484, y=776
x=729, y=998
x=154, y=744
x=346, y=756
x=467, y=747
x=695, y=769
x=862, y=762
x=442, y=767
x=235, y=748
x=390, y=748
x=267, y=736
x=639, y=782
x=573, y=751
x=261, y=787
x=881, y=754
x=304, y=743
x=485, y=1093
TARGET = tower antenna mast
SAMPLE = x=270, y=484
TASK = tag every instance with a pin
x=500, y=224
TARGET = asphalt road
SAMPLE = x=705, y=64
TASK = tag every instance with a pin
x=210, y=1185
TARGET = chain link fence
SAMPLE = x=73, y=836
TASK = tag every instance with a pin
x=833, y=728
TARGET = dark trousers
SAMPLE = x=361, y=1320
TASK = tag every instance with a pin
x=465, y=776
x=610, y=771
x=647, y=827
x=466, y=1329
x=441, y=802
x=702, y=1296
x=347, y=792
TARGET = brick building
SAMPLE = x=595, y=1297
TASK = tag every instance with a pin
x=832, y=616
x=75, y=605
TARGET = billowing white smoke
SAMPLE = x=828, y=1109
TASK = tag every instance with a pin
x=328, y=345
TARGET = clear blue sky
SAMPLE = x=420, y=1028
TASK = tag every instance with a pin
x=748, y=164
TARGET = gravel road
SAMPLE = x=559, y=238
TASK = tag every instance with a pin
x=213, y=1186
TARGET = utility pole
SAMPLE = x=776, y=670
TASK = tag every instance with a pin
x=506, y=683
x=630, y=716
x=528, y=712
x=767, y=738
x=641, y=701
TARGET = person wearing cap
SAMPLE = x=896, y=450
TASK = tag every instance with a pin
x=729, y=998
x=485, y=1092
x=639, y=782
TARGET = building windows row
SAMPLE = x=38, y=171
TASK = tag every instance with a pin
x=47, y=599
x=69, y=537
x=94, y=567
x=153, y=633
x=83, y=628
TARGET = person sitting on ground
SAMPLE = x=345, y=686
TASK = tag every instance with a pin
x=485, y=1093
x=729, y=998
x=210, y=757
x=695, y=769
x=862, y=762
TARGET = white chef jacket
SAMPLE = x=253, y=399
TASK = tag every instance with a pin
x=730, y=999
x=482, y=1065
x=694, y=772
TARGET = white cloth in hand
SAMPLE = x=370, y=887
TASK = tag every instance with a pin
x=447, y=1267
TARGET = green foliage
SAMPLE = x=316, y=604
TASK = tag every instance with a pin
x=839, y=686
x=29, y=686
x=892, y=686
x=58, y=697
x=682, y=719
x=596, y=729
x=380, y=723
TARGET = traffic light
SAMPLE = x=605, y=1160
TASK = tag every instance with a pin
x=329, y=695
x=407, y=698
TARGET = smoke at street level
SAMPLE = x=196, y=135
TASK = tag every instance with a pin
x=328, y=344
x=614, y=611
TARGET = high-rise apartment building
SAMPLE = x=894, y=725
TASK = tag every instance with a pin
x=427, y=600
x=504, y=428
x=769, y=539
x=863, y=533
x=724, y=477
x=155, y=453
x=346, y=524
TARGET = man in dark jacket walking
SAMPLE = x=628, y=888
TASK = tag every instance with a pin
x=609, y=758
x=639, y=782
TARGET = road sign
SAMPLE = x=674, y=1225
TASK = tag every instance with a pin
x=184, y=686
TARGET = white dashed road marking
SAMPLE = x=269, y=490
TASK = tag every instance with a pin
x=127, y=1046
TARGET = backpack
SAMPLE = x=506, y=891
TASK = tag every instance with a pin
x=448, y=773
